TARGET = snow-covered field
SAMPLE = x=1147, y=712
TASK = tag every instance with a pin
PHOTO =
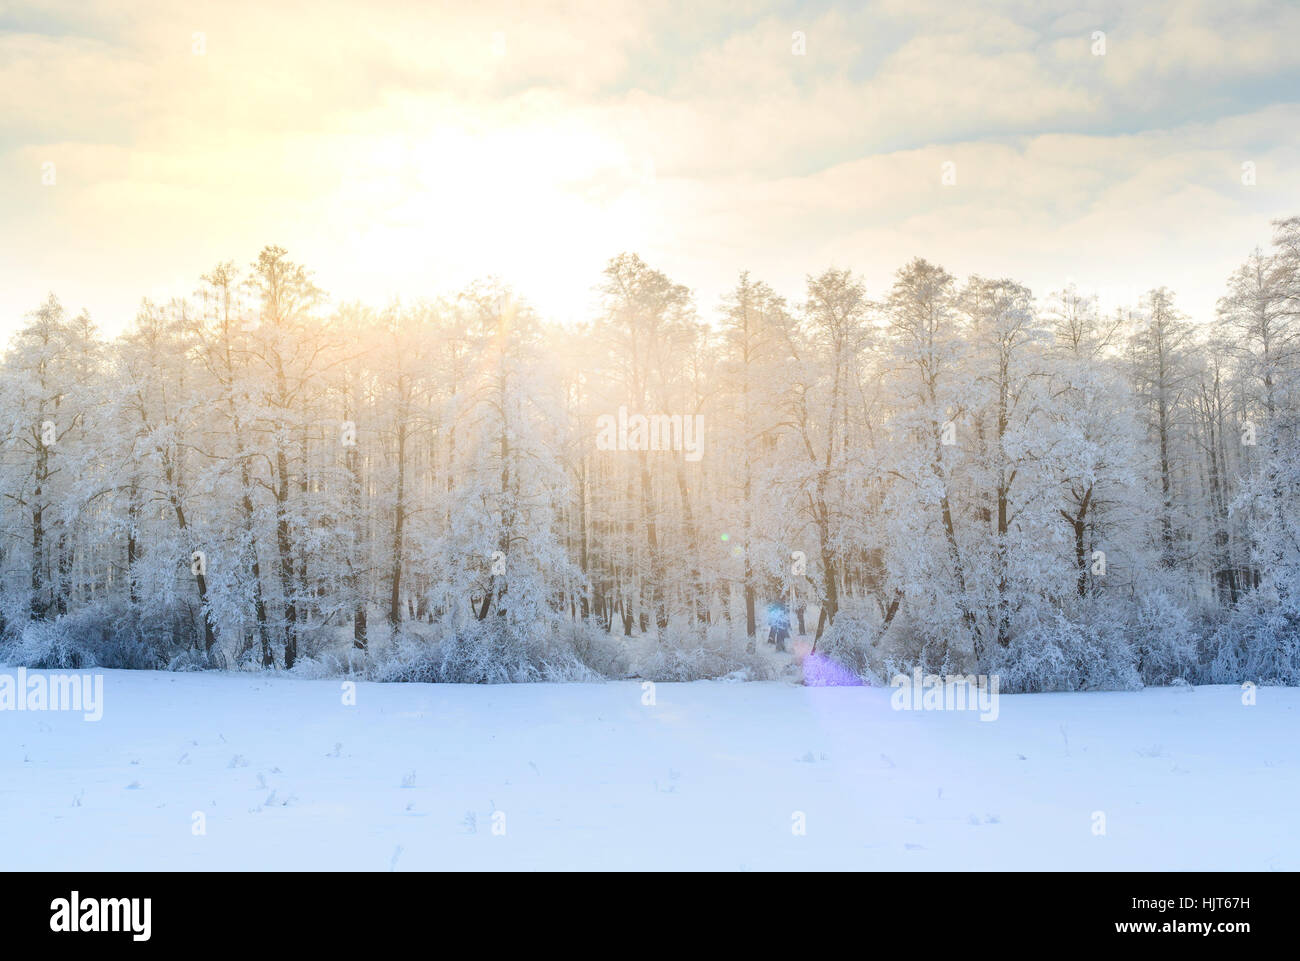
x=711, y=776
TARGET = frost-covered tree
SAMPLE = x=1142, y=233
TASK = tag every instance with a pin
x=955, y=476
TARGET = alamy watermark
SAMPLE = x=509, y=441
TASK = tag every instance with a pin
x=946, y=692
x=679, y=432
x=75, y=914
x=53, y=692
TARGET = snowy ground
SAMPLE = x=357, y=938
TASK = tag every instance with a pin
x=586, y=776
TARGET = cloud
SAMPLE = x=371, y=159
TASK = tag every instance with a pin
x=402, y=146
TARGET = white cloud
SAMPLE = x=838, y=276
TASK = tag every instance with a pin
x=395, y=151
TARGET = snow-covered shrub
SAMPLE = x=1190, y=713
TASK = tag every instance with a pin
x=408, y=658
x=320, y=641
x=480, y=653
x=341, y=662
x=821, y=671
x=1164, y=639
x=1063, y=655
x=133, y=647
x=689, y=653
x=593, y=646
x=484, y=652
x=1260, y=642
x=852, y=643
x=472, y=655
x=135, y=638
x=856, y=643
x=194, y=660
x=100, y=634
x=45, y=644
x=248, y=658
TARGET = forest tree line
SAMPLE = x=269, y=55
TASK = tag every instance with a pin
x=946, y=473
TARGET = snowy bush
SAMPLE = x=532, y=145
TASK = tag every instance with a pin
x=596, y=649
x=856, y=644
x=408, y=658
x=319, y=641
x=484, y=653
x=345, y=662
x=192, y=660
x=497, y=653
x=138, y=639
x=1062, y=655
x=97, y=635
x=852, y=643
x=821, y=671
x=478, y=654
x=694, y=654
x=248, y=658
x=45, y=644
x=1164, y=640
x=1260, y=642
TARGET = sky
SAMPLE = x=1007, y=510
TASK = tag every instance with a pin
x=406, y=149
